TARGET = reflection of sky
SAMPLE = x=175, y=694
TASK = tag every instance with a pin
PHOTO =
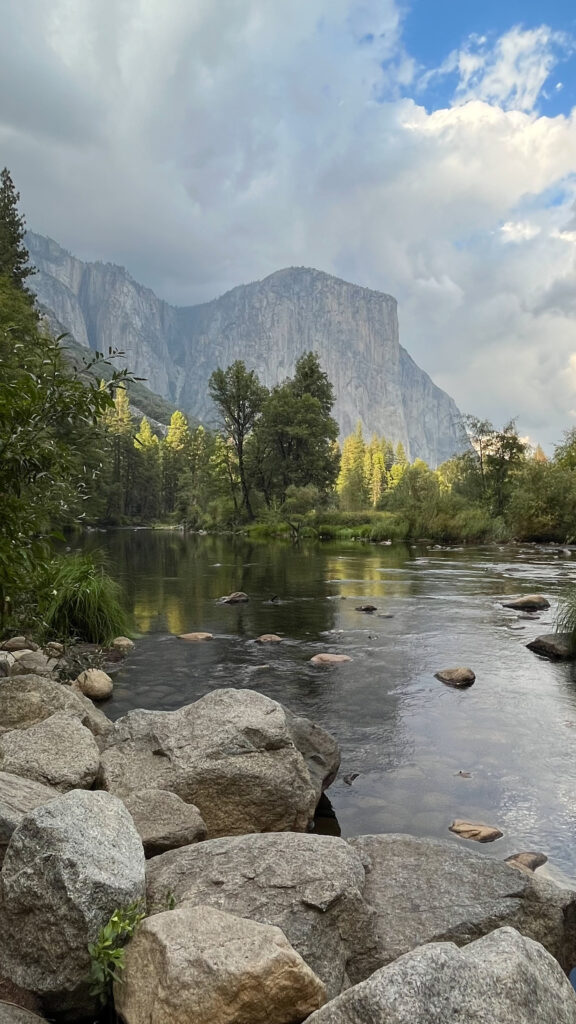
x=406, y=734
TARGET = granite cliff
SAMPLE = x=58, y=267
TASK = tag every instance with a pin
x=268, y=324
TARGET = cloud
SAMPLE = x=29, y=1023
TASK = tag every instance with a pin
x=203, y=145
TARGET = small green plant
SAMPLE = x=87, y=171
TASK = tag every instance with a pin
x=170, y=900
x=83, y=601
x=107, y=953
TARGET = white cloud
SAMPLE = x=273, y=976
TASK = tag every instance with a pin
x=206, y=144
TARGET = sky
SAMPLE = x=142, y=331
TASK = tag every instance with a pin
x=424, y=148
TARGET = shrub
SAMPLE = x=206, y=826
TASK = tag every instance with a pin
x=83, y=601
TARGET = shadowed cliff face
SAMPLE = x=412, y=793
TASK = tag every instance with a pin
x=268, y=324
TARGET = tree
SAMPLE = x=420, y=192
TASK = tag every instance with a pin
x=145, y=498
x=14, y=256
x=239, y=396
x=351, y=483
x=120, y=470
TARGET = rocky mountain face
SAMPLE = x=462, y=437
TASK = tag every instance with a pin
x=268, y=324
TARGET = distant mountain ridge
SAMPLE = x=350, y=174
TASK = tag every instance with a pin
x=268, y=324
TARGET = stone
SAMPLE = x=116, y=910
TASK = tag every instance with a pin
x=231, y=753
x=18, y=796
x=310, y=886
x=268, y=638
x=6, y=662
x=528, y=603
x=10, y=1013
x=163, y=821
x=27, y=700
x=33, y=663
x=318, y=748
x=458, y=677
x=527, y=861
x=21, y=654
x=59, y=752
x=196, y=636
x=53, y=649
x=443, y=891
x=502, y=978
x=329, y=659
x=366, y=608
x=202, y=964
x=238, y=597
x=472, y=830
x=94, y=683
x=556, y=646
x=123, y=644
x=69, y=865
x=19, y=643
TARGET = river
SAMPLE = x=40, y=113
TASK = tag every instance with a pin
x=501, y=752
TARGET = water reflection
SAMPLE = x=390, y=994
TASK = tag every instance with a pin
x=503, y=751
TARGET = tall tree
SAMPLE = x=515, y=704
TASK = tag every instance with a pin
x=351, y=483
x=14, y=255
x=239, y=396
x=176, y=453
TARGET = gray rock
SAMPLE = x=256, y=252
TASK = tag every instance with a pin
x=27, y=700
x=329, y=659
x=459, y=677
x=439, y=890
x=163, y=821
x=475, y=830
x=319, y=749
x=18, y=796
x=59, y=752
x=69, y=865
x=527, y=861
x=309, y=886
x=238, y=597
x=200, y=964
x=556, y=646
x=231, y=754
x=6, y=661
x=502, y=978
x=33, y=663
x=528, y=603
x=10, y=1013
x=19, y=643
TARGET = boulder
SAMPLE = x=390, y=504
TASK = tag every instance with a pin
x=6, y=662
x=231, y=754
x=527, y=861
x=318, y=748
x=502, y=978
x=33, y=663
x=10, y=1013
x=59, y=752
x=458, y=677
x=163, y=821
x=123, y=644
x=238, y=597
x=196, y=636
x=94, y=683
x=201, y=964
x=27, y=700
x=268, y=638
x=310, y=886
x=18, y=796
x=69, y=865
x=474, y=830
x=19, y=643
x=528, y=603
x=439, y=890
x=556, y=646
x=329, y=659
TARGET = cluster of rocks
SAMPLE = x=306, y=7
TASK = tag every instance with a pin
x=201, y=816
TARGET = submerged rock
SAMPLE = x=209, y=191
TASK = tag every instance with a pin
x=196, y=636
x=329, y=659
x=238, y=597
x=458, y=677
x=502, y=978
x=268, y=638
x=557, y=646
x=202, y=964
x=366, y=608
x=474, y=830
x=528, y=603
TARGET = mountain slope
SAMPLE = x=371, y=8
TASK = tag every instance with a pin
x=268, y=324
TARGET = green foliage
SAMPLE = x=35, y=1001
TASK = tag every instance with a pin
x=14, y=266
x=238, y=396
x=83, y=601
x=107, y=953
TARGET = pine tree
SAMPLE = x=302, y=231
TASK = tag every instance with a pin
x=176, y=452
x=14, y=255
x=351, y=484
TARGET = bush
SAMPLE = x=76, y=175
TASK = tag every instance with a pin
x=82, y=602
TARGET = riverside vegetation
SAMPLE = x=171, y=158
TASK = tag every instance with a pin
x=73, y=451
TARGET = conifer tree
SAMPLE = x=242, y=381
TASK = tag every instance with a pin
x=176, y=452
x=14, y=255
x=351, y=484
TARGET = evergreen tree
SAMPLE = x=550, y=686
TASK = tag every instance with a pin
x=351, y=483
x=176, y=454
x=14, y=255
x=120, y=429
x=145, y=499
x=375, y=471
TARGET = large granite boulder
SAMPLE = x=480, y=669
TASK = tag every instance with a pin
x=428, y=890
x=201, y=964
x=232, y=754
x=59, y=752
x=27, y=700
x=502, y=978
x=163, y=821
x=69, y=865
x=556, y=646
x=18, y=796
x=309, y=886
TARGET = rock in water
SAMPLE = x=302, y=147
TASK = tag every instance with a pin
x=527, y=861
x=556, y=646
x=502, y=978
x=123, y=644
x=268, y=638
x=201, y=964
x=458, y=677
x=69, y=865
x=329, y=659
x=528, y=603
x=474, y=830
x=94, y=683
x=309, y=886
x=196, y=636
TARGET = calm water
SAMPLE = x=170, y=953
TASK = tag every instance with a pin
x=406, y=735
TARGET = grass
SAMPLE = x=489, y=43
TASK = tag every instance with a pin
x=83, y=602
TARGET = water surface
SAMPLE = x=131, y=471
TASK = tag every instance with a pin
x=405, y=735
